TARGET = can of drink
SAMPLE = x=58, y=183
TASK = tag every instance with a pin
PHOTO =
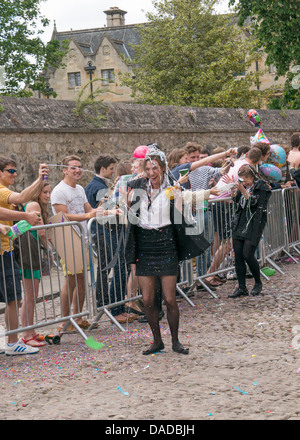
x=45, y=176
x=52, y=339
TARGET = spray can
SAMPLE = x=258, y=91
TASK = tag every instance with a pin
x=52, y=339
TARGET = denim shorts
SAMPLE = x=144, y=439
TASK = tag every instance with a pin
x=10, y=281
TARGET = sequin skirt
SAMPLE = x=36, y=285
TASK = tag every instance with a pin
x=156, y=252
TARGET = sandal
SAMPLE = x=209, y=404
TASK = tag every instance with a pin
x=212, y=283
x=39, y=337
x=84, y=324
x=70, y=328
x=36, y=344
x=219, y=279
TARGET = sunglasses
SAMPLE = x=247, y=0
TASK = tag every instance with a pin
x=11, y=171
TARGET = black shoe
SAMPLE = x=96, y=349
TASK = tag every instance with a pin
x=239, y=292
x=161, y=314
x=256, y=289
x=201, y=288
x=144, y=319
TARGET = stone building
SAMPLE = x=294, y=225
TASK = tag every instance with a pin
x=96, y=53
x=101, y=53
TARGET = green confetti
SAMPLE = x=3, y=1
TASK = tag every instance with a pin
x=95, y=345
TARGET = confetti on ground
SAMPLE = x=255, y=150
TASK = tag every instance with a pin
x=123, y=392
x=241, y=391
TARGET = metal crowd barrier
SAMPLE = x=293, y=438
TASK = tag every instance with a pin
x=291, y=209
x=102, y=262
x=113, y=282
x=281, y=234
x=41, y=303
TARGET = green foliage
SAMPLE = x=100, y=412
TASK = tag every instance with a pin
x=290, y=99
x=90, y=108
x=276, y=26
x=22, y=52
x=189, y=56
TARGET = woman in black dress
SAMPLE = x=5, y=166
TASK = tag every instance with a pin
x=154, y=247
x=251, y=196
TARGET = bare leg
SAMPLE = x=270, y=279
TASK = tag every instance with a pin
x=78, y=295
x=219, y=257
x=31, y=287
x=132, y=288
x=11, y=320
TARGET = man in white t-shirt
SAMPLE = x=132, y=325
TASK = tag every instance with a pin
x=69, y=197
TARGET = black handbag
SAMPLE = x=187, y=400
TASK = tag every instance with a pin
x=189, y=245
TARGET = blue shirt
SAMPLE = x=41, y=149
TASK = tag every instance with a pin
x=175, y=173
x=95, y=191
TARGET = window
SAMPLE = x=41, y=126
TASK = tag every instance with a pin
x=108, y=76
x=74, y=80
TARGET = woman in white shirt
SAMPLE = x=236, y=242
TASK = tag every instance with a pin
x=153, y=245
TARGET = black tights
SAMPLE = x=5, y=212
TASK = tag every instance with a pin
x=244, y=253
x=168, y=283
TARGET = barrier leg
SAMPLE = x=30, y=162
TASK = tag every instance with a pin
x=78, y=329
x=180, y=291
x=207, y=288
x=113, y=319
x=295, y=249
x=274, y=265
x=290, y=256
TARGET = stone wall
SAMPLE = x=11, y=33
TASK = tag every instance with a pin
x=46, y=130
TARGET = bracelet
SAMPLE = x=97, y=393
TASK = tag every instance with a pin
x=89, y=215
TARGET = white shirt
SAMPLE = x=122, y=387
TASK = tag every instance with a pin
x=73, y=198
x=158, y=215
x=233, y=174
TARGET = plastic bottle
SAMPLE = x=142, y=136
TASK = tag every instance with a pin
x=18, y=229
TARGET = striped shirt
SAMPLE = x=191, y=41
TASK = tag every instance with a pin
x=200, y=177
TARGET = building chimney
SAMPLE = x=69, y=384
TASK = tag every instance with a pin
x=115, y=17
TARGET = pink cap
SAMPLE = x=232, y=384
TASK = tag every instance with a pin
x=140, y=152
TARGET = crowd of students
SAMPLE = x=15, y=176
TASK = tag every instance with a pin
x=148, y=258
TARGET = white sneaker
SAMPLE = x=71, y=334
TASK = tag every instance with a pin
x=19, y=348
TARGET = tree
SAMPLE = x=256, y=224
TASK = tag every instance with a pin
x=189, y=56
x=290, y=98
x=23, y=55
x=276, y=26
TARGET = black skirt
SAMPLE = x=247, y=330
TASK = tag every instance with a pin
x=157, y=253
